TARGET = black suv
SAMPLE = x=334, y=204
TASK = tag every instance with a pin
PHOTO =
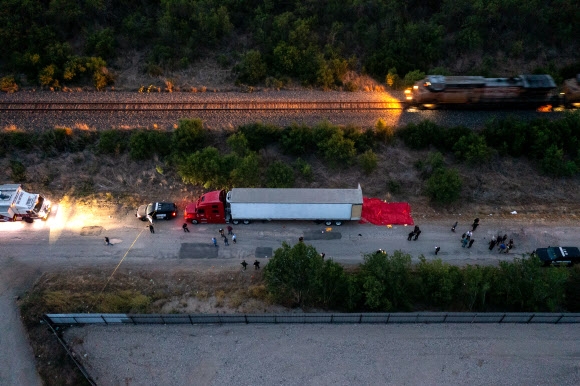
x=559, y=256
x=157, y=211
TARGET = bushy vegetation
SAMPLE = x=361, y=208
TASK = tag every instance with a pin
x=298, y=275
x=553, y=145
x=316, y=43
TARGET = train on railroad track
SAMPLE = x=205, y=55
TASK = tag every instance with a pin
x=523, y=91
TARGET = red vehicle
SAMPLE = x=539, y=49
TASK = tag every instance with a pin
x=209, y=208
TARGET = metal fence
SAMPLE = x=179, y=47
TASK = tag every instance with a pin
x=328, y=318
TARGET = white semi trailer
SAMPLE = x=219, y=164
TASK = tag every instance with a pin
x=16, y=204
x=248, y=204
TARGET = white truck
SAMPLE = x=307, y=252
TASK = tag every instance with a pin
x=246, y=204
x=16, y=204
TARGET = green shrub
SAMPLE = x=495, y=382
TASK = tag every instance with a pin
x=140, y=147
x=304, y=169
x=113, y=142
x=363, y=140
x=368, y=161
x=205, y=167
x=246, y=173
x=394, y=186
x=260, y=135
x=384, y=133
x=21, y=140
x=101, y=43
x=238, y=143
x=297, y=140
x=412, y=77
x=421, y=135
x=337, y=150
x=386, y=281
x=8, y=84
x=554, y=164
x=17, y=171
x=439, y=282
x=189, y=136
x=252, y=68
x=472, y=149
x=279, y=175
x=444, y=186
x=299, y=276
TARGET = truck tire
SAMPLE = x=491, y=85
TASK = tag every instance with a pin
x=338, y=223
x=328, y=223
x=246, y=222
x=235, y=222
x=194, y=222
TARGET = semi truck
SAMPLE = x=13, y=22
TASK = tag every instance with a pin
x=243, y=205
x=16, y=204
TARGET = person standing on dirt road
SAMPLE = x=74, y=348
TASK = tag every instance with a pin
x=417, y=235
x=475, y=224
x=437, y=249
x=107, y=242
x=244, y=264
x=471, y=243
x=410, y=235
x=185, y=228
x=234, y=238
x=151, y=229
x=226, y=241
x=230, y=230
x=256, y=265
x=214, y=241
x=454, y=226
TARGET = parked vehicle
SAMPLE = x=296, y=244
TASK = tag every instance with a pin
x=16, y=204
x=526, y=91
x=559, y=256
x=157, y=211
x=245, y=205
x=571, y=92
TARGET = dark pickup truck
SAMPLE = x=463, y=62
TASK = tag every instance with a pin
x=157, y=211
x=559, y=256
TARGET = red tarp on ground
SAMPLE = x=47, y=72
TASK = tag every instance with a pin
x=379, y=212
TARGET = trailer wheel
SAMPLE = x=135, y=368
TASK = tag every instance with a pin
x=338, y=223
x=246, y=222
x=235, y=222
x=328, y=223
x=194, y=221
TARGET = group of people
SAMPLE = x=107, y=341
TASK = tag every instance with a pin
x=222, y=234
x=502, y=244
x=415, y=233
x=256, y=264
x=467, y=239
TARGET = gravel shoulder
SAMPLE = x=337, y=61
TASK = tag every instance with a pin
x=330, y=354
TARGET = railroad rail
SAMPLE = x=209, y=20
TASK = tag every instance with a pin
x=200, y=106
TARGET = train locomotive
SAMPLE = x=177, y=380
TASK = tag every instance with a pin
x=523, y=91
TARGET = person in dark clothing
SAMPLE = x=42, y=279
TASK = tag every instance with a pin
x=416, y=229
x=244, y=264
x=221, y=231
x=226, y=241
x=256, y=264
x=437, y=249
x=454, y=226
x=230, y=230
x=492, y=244
x=185, y=228
x=511, y=244
x=475, y=224
x=107, y=242
x=470, y=243
x=151, y=229
x=410, y=236
x=322, y=255
x=417, y=235
x=300, y=239
x=504, y=238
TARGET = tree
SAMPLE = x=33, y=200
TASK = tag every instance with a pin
x=368, y=161
x=204, y=167
x=252, y=68
x=291, y=274
x=247, y=172
x=444, y=186
x=189, y=136
x=279, y=175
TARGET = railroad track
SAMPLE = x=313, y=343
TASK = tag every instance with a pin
x=199, y=106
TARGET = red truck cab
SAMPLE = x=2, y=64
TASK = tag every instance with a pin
x=208, y=209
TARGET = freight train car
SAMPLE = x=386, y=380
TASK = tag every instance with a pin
x=523, y=91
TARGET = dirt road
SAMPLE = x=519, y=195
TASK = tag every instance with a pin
x=72, y=238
